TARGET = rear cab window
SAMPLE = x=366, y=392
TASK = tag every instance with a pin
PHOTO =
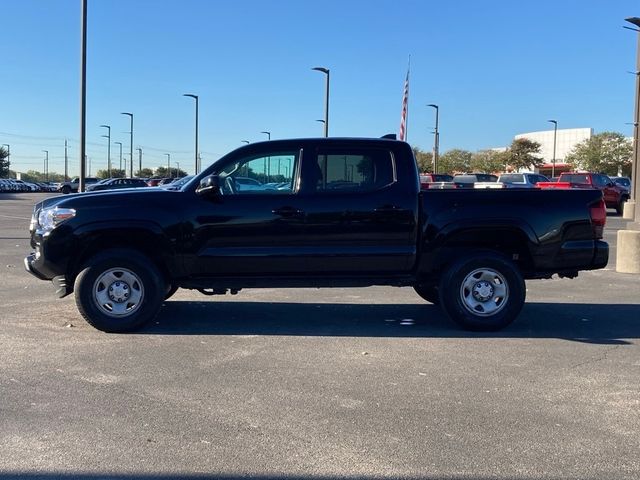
x=352, y=170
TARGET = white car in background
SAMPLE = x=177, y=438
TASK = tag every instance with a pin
x=521, y=180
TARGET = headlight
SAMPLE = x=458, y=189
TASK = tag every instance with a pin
x=50, y=218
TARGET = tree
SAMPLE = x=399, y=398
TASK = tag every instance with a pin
x=455, y=160
x=489, y=161
x=144, y=173
x=36, y=176
x=175, y=172
x=4, y=163
x=522, y=154
x=606, y=152
x=424, y=160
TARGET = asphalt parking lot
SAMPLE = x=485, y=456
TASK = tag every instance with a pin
x=304, y=383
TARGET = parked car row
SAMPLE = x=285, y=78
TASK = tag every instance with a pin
x=15, y=185
x=616, y=190
x=93, y=184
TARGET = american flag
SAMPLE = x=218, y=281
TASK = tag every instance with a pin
x=405, y=110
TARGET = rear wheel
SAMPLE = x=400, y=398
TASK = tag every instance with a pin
x=66, y=189
x=119, y=290
x=482, y=292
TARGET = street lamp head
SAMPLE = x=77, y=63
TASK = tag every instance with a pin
x=555, y=122
x=634, y=20
x=321, y=121
x=267, y=133
x=246, y=141
x=321, y=69
x=105, y=136
x=190, y=95
x=106, y=126
x=432, y=105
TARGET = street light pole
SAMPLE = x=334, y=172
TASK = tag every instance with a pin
x=436, y=141
x=83, y=94
x=131, y=144
x=139, y=160
x=46, y=165
x=326, y=99
x=120, y=143
x=555, y=136
x=168, y=164
x=108, y=149
x=195, y=97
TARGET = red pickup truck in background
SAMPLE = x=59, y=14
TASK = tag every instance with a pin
x=614, y=195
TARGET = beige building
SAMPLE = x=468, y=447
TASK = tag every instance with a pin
x=566, y=139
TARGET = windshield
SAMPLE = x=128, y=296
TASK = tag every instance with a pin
x=181, y=182
x=512, y=178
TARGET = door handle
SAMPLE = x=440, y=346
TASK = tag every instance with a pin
x=287, y=212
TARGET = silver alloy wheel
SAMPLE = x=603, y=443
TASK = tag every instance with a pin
x=484, y=292
x=118, y=292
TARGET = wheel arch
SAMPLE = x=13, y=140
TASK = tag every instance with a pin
x=146, y=238
x=513, y=242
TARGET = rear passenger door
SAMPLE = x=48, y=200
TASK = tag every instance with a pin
x=359, y=220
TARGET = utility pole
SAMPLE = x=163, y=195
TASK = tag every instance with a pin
x=66, y=162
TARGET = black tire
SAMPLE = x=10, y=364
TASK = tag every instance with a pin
x=171, y=289
x=428, y=293
x=119, y=290
x=482, y=292
x=66, y=189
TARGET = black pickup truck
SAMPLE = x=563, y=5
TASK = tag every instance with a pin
x=313, y=213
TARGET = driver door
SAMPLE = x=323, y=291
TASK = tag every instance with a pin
x=256, y=224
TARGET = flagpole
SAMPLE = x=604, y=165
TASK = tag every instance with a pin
x=404, y=113
x=406, y=128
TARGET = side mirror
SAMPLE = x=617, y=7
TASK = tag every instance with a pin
x=209, y=186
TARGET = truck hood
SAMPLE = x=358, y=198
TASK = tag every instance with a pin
x=104, y=197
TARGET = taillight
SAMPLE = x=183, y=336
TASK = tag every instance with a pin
x=598, y=214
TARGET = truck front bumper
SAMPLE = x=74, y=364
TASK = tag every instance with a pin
x=31, y=265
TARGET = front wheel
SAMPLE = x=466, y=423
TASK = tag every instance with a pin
x=66, y=190
x=119, y=290
x=483, y=292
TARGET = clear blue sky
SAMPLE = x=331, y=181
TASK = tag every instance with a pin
x=496, y=68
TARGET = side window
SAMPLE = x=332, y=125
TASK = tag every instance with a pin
x=267, y=174
x=354, y=170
